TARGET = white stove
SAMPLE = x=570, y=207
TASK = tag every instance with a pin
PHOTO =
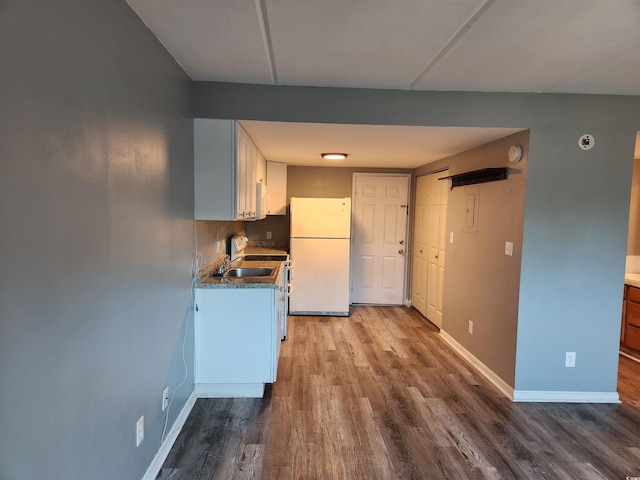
x=239, y=244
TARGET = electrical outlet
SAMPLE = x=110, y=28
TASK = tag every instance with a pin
x=165, y=398
x=471, y=327
x=508, y=248
x=450, y=237
x=570, y=359
x=268, y=235
x=139, y=431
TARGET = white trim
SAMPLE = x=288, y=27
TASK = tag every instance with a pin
x=229, y=390
x=630, y=357
x=165, y=447
x=489, y=374
x=565, y=397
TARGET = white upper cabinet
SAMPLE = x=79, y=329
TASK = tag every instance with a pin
x=261, y=184
x=276, y=188
x=226, y=165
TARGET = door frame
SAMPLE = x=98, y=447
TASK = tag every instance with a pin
x=410, y=180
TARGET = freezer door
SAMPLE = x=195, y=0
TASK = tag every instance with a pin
x=320, y=217
x=319, y=277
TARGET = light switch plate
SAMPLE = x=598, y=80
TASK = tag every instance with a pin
x=508, y=248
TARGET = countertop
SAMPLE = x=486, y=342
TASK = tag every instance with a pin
x=632, y=279
x=264, y=251
x=206, y=280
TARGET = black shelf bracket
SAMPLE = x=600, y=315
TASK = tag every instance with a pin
x=478, y=176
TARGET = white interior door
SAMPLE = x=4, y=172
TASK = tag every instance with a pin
x=380, y=208
x=419, y=266
x=429, y=259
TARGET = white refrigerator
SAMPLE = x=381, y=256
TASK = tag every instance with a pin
x=319, y=249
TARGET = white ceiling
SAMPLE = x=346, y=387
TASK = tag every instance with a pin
x=561, y=46
x=366, y=145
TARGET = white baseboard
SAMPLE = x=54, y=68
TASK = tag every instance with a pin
x=565, y=397
x=229, y=390
x=489, y=374
x=165, y=448
x=529, y=395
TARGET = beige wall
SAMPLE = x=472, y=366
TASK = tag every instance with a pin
x=481, y=283
x=633, y=240
x=209, y=232
x=310, y=182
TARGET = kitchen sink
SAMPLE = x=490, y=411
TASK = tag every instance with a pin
x=248, y=272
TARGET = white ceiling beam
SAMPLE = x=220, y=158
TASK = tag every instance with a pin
x=263, y=19
x=452, y=41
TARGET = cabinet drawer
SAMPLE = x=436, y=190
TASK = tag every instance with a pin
x=632, y=337
x=632, y=314
x=633, y=294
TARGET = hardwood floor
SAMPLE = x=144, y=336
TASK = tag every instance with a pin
x=378, y=395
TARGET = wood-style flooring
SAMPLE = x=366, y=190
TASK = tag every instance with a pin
x=378, y=395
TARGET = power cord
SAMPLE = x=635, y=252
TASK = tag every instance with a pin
x=197, y=261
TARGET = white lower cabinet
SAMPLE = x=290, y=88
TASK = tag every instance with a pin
x=237, y=340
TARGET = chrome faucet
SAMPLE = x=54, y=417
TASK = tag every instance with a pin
x=226, y=260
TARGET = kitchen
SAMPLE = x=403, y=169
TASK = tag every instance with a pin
x=98, y=234
x=310, y=181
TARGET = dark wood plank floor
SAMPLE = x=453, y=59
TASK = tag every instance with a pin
x=378, y=395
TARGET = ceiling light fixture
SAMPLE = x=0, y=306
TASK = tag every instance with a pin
x=333, y=156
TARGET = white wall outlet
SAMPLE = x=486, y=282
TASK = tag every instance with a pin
x=268, y=235
x=471, y=327
x=450, y=237
x=570, y=359
x=165, y=398
x=139, y=431
x=508, y=248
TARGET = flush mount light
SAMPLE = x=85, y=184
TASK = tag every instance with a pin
x=333, y=156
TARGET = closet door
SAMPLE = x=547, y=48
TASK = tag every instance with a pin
x=429, y=245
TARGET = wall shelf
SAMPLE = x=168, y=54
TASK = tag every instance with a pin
x=478, y=176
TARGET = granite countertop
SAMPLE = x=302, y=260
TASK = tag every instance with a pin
x=264, y=251
x=632, y=279
x=207, y=280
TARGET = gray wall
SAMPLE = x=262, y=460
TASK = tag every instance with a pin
x=96, y=208
x=481, y=283
x=576, y=207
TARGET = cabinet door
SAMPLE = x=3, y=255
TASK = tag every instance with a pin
x=215, y=169
x=250, y=181
x=243, y=171
x=234, y=335
x=276, y=188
